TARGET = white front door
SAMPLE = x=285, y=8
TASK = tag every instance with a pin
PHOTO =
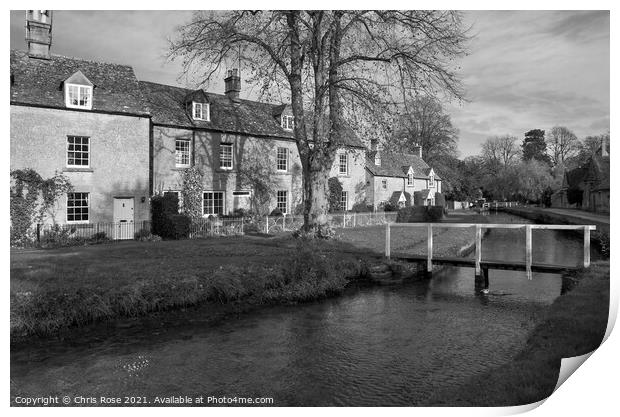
x=123, y=218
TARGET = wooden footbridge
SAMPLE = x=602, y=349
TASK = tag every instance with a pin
x=482, y=266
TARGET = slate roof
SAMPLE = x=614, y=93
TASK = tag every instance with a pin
x=598, y=170
x=397, y=165
x=39, y=82
x=167, y=106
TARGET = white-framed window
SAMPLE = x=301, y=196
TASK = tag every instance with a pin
x=282, y=201
x=344, y=201
x=431, y=181
x=200, y=111
x=288, y=122
x=79, y=96
x=384, y=184
x=78, y=151
x=183, y=153
x=213, y=202
x=226, y=155
x=410, y=179
x=282, y=160
x=77, y=207
x=343, y=164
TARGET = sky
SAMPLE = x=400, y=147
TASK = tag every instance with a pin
x=525, y=69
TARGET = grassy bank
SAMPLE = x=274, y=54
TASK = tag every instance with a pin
x=53, y=290
x=56, y=289
x=574, y=325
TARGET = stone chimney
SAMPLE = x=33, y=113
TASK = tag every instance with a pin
x=39, y=33
x=418, y=150
x=604, y=147
x=232, y=84
x=374, y=146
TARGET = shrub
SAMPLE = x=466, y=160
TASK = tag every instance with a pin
x=318, y=231
x=180, y=225
x=414, y=214
x=602, y=239
x=165, y=218
x=142, y=234
x=387, y=206
x=239, y=212
x=334, y=194
x=276, y=212
x=361, y=207
x=99, y=237
x=440, y=199
x=434, y=213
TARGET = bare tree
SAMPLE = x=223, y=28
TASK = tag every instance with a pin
x=333, y=64
x=561, y=145
x=424, y=123
x=500, y=151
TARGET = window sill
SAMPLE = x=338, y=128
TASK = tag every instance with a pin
x=181, y=168
x=75, y=169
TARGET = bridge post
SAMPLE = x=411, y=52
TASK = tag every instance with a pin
x=586, y=246
x=387, y=240
x=482, y=280
x=478, y=248
x=429, y=247
x=528, y=251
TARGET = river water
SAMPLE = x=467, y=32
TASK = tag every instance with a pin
x=372, y=346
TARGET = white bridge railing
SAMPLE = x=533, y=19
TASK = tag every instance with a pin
x=478, y=226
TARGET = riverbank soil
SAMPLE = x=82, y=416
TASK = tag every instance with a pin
x=574, y=326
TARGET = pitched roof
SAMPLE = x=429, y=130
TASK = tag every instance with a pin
x=397, y=165
x=598, y=169
x=574, y=178
x=167, y=106
x=39, y=82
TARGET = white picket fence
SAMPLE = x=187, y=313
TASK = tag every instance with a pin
x=287, y=222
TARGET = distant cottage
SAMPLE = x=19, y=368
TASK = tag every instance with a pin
x=586, y=187
x=400, y=179
x=120, y=141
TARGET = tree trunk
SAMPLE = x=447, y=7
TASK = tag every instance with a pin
x=315, y=198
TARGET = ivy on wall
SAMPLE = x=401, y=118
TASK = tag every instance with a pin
x=335, y=194
x=32, y=199
x=191, y=190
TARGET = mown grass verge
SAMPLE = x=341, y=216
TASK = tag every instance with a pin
x=77, y=288
x=574, y=326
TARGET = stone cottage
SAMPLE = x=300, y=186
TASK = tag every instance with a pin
x=399, y=179
x=83, y=119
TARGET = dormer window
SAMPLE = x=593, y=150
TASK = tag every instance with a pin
x=288, y=122
x=431, y=181
x=200, y=111
x=78, y=92
x=79, y=96
x=410, y=178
